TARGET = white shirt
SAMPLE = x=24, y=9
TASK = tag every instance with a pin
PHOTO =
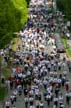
x=31, y=99
x=49, y=89
x=12, y=97
x=15, y=93
x=55, y=80
x=32, y=106
x=23, y=75
x=7, y=103
x=48, y=97
x=28, y=73
x=60, y=99
x=55, y=99
x=31, y=92
x=45, y=82
x=36, y=91
x=20, y=75
x=26, y=99
x=41, y=104
x=13, y=69
x=59, y=80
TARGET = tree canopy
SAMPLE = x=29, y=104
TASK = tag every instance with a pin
x=13, y=15
x=65, y=6
x=27, y=2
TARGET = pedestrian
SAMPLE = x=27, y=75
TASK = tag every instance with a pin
x=67, y=98
x=60, y=98
x=26, y=102
x=57, y=90
x=25, y=91
x=8, y=85
x=13, y=106
x=67, y=85
x=12, y=98
x=37, y=103
x=63, y=81
x=55, y=101
x=61, y=106
x=54, y=106
x=7, y=104
x=31, y=100
x=48, y=99
x=19, y=87
x=41, y=104
x=15, y=95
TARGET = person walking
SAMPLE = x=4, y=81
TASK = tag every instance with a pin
x=7, y=104
x=67, y=98
x=26, y=102
x=67, y=85
x=55, y=101
x=41, y=104
x=48, y=99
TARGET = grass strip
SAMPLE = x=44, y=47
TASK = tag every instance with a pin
x=68, y=51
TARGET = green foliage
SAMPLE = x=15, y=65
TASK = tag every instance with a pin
x=2, y=93
x=65, y=6
x=13, y=15
x=28, y=1
x=68, y=50
x=21, y=6
x=6, y=72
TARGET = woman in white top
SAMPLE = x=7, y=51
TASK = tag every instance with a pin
x=7, y=104
x=31, y=100
x=48, y=99
x=26, y=102
x=31, y=106
x=41, y=104
x=60, y=99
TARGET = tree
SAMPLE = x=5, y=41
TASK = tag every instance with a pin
x=28, y=1
x=13, y=15
x=65, y=7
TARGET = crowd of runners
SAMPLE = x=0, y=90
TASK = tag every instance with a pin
x=39, y=76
